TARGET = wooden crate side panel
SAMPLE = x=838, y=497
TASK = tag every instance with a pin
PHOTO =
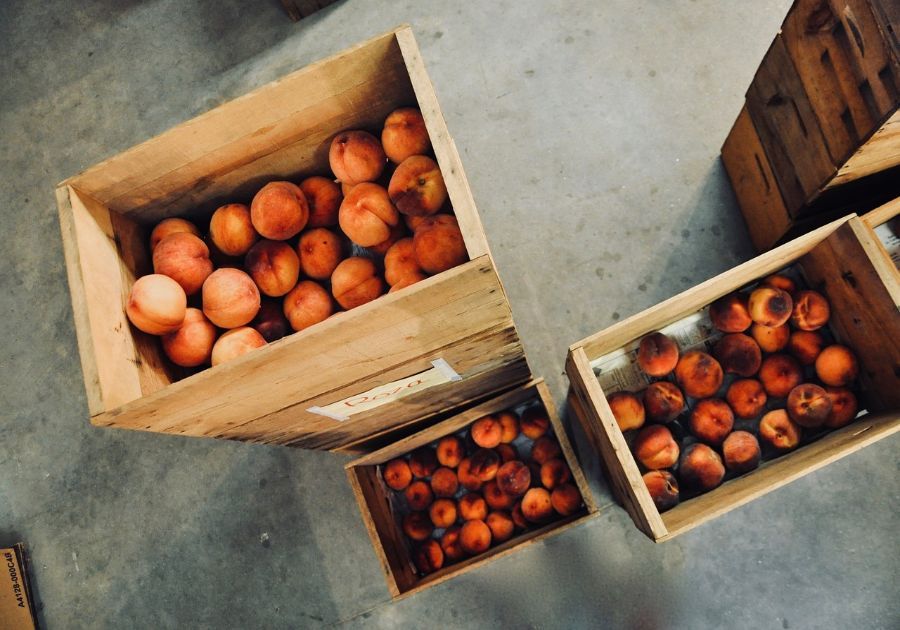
x=879, y=153
x=882, y=214
x=888, y=12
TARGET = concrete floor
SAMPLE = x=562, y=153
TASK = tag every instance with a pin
x=590, y=132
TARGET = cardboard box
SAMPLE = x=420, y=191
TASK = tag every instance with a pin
x=16, y=603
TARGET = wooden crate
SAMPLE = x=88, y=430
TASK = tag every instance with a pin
x=382, y=523
x=843, y=261
x=884, y=222
x=282, y=131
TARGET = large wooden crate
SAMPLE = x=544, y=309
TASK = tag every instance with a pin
x=282, y=131
x=844, y=262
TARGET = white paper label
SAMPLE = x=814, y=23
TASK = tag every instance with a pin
x=890, y=240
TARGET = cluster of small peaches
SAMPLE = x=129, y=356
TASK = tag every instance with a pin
x=773, y=341
x=472, y=490
x=285, y=245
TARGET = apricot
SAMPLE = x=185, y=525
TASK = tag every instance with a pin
x=808, y=405
x=320, y=251
x=486, y=432
x=770, y=306
x=509, y=425
x=518, y=517
x=438, y=244
x=191, y=345
x=173, y=225
x=443, y=513
x=507, y=452
x=231, y=229
x=514, y=478
x=811, y=310
x=230, y=298
x=396, y=474
x=474, y=537
x=737, y=353
x=544, y=448
x=837, y=366
x=554, y=472
x=537, y=506
x=450, y=544
x=730, y=314
x=307, y=304
x=663, y=401
x=355, y=157
x=663, y=489
x=805, y=346
x=770, y=338
x=746, y=397
x=184, y=258
x=473, y=507
x=843, y=407
x=655, y=447
x=323, y=197
x=780, y=281
x=423, y=461
x=657, y=355
x=711, y=420
x=501, y=526
x=270, y=321
x=418, y=495
x=565, y=499
x=779, y=431
x=485, y=463
x=355, y=282
x=279, y=211
x=444, y=482
x=400, y=261
x=496, y=498
x=700, y=467
x=404, y=134
x=156, y=304
x=450, y=451
x=417, y=187
x=534, y=422
x=468, y=478
x=417, y=525
x=741, y=452
x=274, y=267
x=234, y=343
x=367, y=215
x=627, y=409
x=779, y=374
x=698, y=374
x=429, y=557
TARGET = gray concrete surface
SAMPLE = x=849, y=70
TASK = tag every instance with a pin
x=590, y=133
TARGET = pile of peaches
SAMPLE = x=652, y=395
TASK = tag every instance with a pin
x=299, y=253
x=470, y=491
x=774, y=377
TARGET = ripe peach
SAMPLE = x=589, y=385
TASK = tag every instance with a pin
x=473, y=507
x=711, y=420
x=837, y=366
x=323, y=197
x=746, y=397
x=700, y=467
x=779, y=374
x=413, y=223
x=737, y=353
x=169, y=226
x=496, y=498
x=468, y=479
x=536, y=505
x=627, y=409
x=501, y=525
x=234, y=343
x=663, y=401
x=396, y=474
x=418, y=495
x=444, y=482
x=741, y=451
x=507, y=452
x=517, y=516
x=486, y=432
x=400, y=261
x=450, y=451
x=663, y=489
x=355, y=282
x=655, y=447
x=779, y=281
x=429, y=557
x=514, y=478
x=230, y=298
x=184, y=258
x=270, y=321
x=484, y=463
x=355, y=157
x=565, y=499
x=439, y=244
x=811, y=310
x=307, y=304
x=843, y=407
x=279, y=210
x=156, y=304
x=770, y=306
x=554, y=472
x=231, y=229
x=698, y=374
x=191, y=345
x=423, y=461
x=407, y=281
x=417, y=525
x=509, y=424
x=417, y=186
x=443, y=513
x=808, y=405
x=534, y=422
x=450, y=544
x=544, y=448
x=769, y=338
x=274, y=267
x=729, y=314
x=474, y=537
x=657, y=354
x=805, y=345
x=367, y=215
x=404, y=134
x=320, y=251
x=779, y=431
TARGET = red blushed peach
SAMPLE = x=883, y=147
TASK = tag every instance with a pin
x=156, y=304
x=396, y=474
x=769, y=338
x=741, y=451
x=230, y=298
x=274, y=267
x=711, y=420
x=534, y=422
x=663, y=401
x=356, y=157
x=400, y=261
x=444, y=482
x=698, y=374
x=655, y=447
x=811, y=310
x=700, y=468
x=509, y=425
x=770, y=306
x=514, y=478
x=779, y=431
x=367, y=215
x=279, y=211
x=805, y=346
x=439, y=245
x=737, y=353
x=307, y=304
x=837, y=366
x=418, y=495
x=173, y=225
x=565, y=499
x=443, y=513
x=544, y=448
x=537, y=506
x=486, y=432
x=843, y=407
x=235, y=343
x=501, y=526
x=270, y=321
x=320, y=251
x=746, y=397
x=450, y=451
x=779, y=374
x=474, y=537
x=404, y=134
x=231, y=229
x=473, y=507
x=468, y=479
x=423, y=461
x=496, y=498
x=730, y=314
x=518, y=517
x=554, y=472
x=485, y=463
x=324, y=198
x=450, y=544
x=191, y=345
x=663, y=489
x=657, y=355
x=507, y=452
x=184, y=258
x=779, y=281
x=398, y=233
x=627, y=409
x=406, y=282
x=429, y=557
x=417, y=186
x=355, y=282
x=417, y=525
x=808, y=405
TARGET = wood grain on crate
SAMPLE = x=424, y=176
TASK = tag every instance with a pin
x=880, y=152
x=882, y=214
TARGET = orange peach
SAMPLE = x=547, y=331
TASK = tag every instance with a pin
x=657, y=354
x=554, y=472
x=396, y=474
x=169, y=226
x=400, y=261
x=655, y=447
x=805, y=345
x=274, y=267
x=514, y=478
x=355, y=157
x=404, y=134
x=231, y=229
x=355, y=282
x=438, y=244
x=741, y=452
x=730, y=314
x=780, y=281
x=398, y=233
x=279, y=211
x=320, y=251
x=627, y=409
x=770, y=306
x=770, y=338
x=544, y=448
x=746, y=397
x=737, y=353
x=156, y=304
x=184, y=258
x=534, y=422
x=698, y=374
x=270, y=321
x=496, y=498
x=700, y=468
x=307, y=304
x=230, y=298
x=779, y=431
x=417, y=187
x=536, y=505
x=444, y=482
x=406, y=282
x=473, y=507
x=234, y=343
x=486, y=432
x=501, y=525
x=468, y=479
x=808, y=405
x=507, y=452
x=843, y=407
x=443, y=513
x=418, y=495
x=518, y=517
x=423, y=461
x=663, y=489
x=811, y=310
x=509, y=424
x=450, y=544
x=779, y=374
x=429, y=557
x=367, y=215
x=837, y=366
x=484, y=463
x=413, y=223
x=323, y=197
x=474, y=537
x=417, y=525
x=191, y=345
x=663, y=401
x=450, y=451
x=711, y=420
x=565, y=499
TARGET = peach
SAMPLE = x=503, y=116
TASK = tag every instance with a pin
x=627, y=409
x=346, y=188
x=565, y=499
x=711, y=420
x=486, y=432
x=450, y=451
x=700, y=468
x=468, y=478
x=274, y=267
x=417, y=186
x=770, y=306
x=439, y=244
x=270, y=321
x=737, y=353
x=323, y=197
x=663, y=489
x=657, y=355
x=230, y=298
x=730, y=314
x=191, y=345
x=404, y=134
x=518, y=517
x=450, y=544
x=429, y=557
x=808, y=405
x=536, y=505
x=811, y=310
x=418, y=495
x=234, y=343
x=780, y=281
x=837, y=366
x=843, y=407
x=741, y=452
x=169, y=226
x=156, y=304
x=779, y=431
x=746, y=397
x=474, y=537
x=400, y=261
x=231, y=229
x=779, y=374
x=355, y=282
x=307, y=304
x=398, y=233
x=320, y=251
x=417, y=525
x=770, y=338
x=655, y=447
x=496, y=498
x=805, y=345
x=423, y=461
x=534, y=422
x=367, y=215
x=413, y=223
x=473, y=507
x=509, y=425
x=484, y=463
x=406, y=282
x=554, y=472
x=355, y=157
x=501, y=526
x=443, y=513
x=507, y=452
x=184, y=258
x=544, y=448
x=444, y=482
x=698, y=374
x=279, y=211
x=663, y=401
x=514, y=478
x=396, y=474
